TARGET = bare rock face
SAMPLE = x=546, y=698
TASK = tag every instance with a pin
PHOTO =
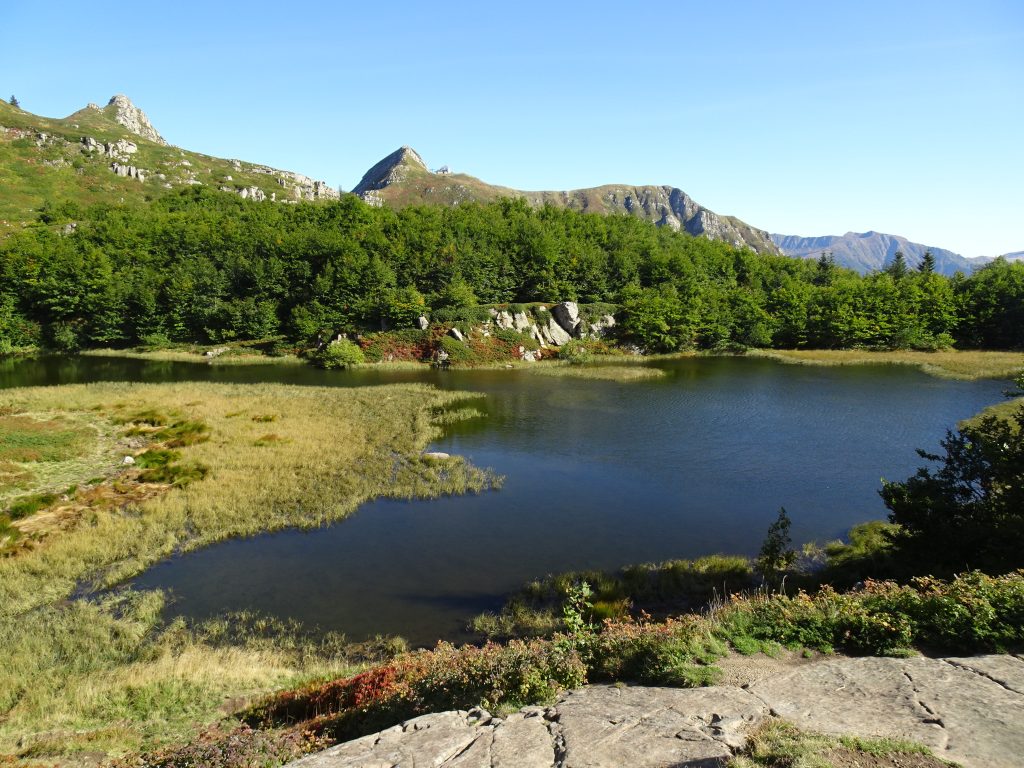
x=134, y=119
x=567, y=315
x=969, y=710
x=596, y=727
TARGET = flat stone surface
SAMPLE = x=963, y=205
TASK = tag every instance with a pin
x=961, y=714
x=969, y=710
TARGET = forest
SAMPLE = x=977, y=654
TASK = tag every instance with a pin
x=208, y=267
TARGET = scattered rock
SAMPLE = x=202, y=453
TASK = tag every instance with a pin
x=128, y=171
x=253, y=193
x=436, y=455
x=504, y=320
x=128, y=461
x=423, y=322
x=216, y=352
x=456, y=334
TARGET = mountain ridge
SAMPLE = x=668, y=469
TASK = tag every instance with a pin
x=402, y=178
x=872, y=251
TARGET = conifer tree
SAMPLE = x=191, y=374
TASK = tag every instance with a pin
x=927, y=265
x=14, y=101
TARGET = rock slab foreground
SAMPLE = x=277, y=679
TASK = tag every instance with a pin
x=969, y=710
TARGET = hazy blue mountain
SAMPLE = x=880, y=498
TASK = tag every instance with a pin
x=868, y=251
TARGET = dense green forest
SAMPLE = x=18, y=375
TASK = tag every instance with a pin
x=208, y=267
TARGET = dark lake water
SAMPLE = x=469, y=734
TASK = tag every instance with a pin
x=598, y=475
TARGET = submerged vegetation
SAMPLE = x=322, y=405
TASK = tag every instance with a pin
x=88, y=670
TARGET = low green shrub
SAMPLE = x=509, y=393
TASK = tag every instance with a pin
x=575, y=353
x=341, y=353
x=970, y=614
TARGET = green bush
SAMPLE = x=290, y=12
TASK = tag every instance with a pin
x=575, y=353
x=341, y=353
x=458, y=351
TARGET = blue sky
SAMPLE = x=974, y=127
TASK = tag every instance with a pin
x=800, y=118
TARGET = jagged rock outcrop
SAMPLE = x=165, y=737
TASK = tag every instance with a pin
x=969, y=710
x=134, y=119
x=393, y=169
x=403, y=178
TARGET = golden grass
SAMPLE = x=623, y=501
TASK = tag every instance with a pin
x=105, y=674
x=617, y=371
x=232, y=357
x=950, y=363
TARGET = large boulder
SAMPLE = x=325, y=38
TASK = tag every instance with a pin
x=557, y=335
x=567, y=315
x=521, y=321
x=504, y=320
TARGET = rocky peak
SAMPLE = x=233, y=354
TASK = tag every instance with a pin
x=391, y=170
x=134, y=119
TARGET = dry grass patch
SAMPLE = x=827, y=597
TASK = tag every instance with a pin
x=232, y=357
x=950, y=363
x=617, y=371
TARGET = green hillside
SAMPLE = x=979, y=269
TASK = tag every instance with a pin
x=49, y=161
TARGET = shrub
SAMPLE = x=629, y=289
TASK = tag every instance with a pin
x=458, y=351
x=575, y=353
x=968, y=513
x=341, y=353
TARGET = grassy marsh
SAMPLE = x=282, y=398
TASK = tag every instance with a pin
x=611, y=371
x=197, y=355
x=948, y=363
x=105, y=672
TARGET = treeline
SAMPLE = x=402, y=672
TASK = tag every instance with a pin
x=207, y=267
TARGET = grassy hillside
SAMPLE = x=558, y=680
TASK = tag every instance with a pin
x=44, y=160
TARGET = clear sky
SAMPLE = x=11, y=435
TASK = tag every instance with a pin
x=804, y=118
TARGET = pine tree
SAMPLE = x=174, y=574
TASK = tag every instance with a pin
x=898, y=267
x=14, y=101
x=927, y=265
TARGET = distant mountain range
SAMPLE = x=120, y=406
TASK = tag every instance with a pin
x=870, y=251
x=402, y=178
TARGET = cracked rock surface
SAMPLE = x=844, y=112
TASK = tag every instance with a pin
x=970, y=710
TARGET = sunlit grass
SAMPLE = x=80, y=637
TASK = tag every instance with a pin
x=105, y=673
x=949, y=363
x=617, y=371
x=198, y=355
